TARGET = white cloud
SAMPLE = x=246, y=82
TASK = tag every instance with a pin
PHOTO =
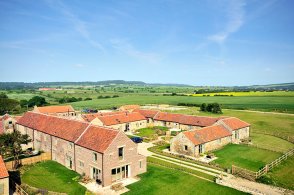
x=127, y=48
x=235, y=14
x=79, y=25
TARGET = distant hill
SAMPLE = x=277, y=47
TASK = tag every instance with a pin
x=23, y=85
x=281, y=86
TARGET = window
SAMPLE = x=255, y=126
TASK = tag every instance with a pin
x=140, y=163
x=186, y=147
x=121, y=153
x=81, y=164
x=95, y=157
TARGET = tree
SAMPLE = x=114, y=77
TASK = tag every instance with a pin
x=216, y=108
x=23, y=103
x=37, y=101
x=10, y=144
x=203, y=107
x=3, y=95
x=8, y=105
x=209, y=107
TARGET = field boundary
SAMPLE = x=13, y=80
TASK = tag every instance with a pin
x=252, y=175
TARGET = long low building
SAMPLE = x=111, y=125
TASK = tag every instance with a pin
x=199, y=141
x=101, y=153
x=123, y=121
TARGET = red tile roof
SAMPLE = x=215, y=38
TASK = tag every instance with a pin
x=90, y=117
x=121, y=118
x=201, y=121
x=84, y=134
x=207, y=134
x=55, y=109
x=3, y=170
x=60, y=127
x=147, y=113
x=97, y=138
x=235, y=123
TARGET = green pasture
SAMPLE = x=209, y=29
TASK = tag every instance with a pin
x=161, y=180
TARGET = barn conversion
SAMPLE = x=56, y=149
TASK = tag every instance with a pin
x=62, y=111
x=124, y=121
x=199, y=141
x=104, y=154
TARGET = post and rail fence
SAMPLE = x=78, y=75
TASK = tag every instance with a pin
x=252, y=175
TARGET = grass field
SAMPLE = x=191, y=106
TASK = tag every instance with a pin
x=54, y=177
x=282, y=175
x=251, y=94
x=161, y=180
x=244, y=156
x=280, y=104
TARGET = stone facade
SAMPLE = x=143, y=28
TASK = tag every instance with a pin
x=131, y=126
x=182, y=145
x=4, y=186
x=96, y=165
x=175, y=125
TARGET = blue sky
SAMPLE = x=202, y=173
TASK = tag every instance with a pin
x=211, y=42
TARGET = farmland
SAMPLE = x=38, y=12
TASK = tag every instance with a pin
x=103, y=97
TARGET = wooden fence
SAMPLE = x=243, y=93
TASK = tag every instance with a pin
x=17, y=188
x=31, y=160
x=251, y=175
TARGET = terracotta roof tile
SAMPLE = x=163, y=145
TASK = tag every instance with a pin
x=97, y=138
x=235, y=123
x=55, y=109
x=147, y=113
x=207, y=134
x=121, y=118
x=90, y=117
x=201, y=121
x=60, y=127
x=3, y=170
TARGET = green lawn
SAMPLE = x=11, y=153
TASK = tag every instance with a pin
x=150, y=131
x=281, y=175
x=54, y=177
x=161, y=180
x=244, y=156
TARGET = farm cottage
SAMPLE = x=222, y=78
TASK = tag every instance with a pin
x=104, y=154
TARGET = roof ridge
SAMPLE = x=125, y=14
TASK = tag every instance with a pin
x=82, y=133
x=69, y=119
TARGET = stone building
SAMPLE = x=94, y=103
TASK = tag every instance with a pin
x=104, y=154
x=123, y=121
x=61, y=111
x=183, y=122
x=198, y=141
